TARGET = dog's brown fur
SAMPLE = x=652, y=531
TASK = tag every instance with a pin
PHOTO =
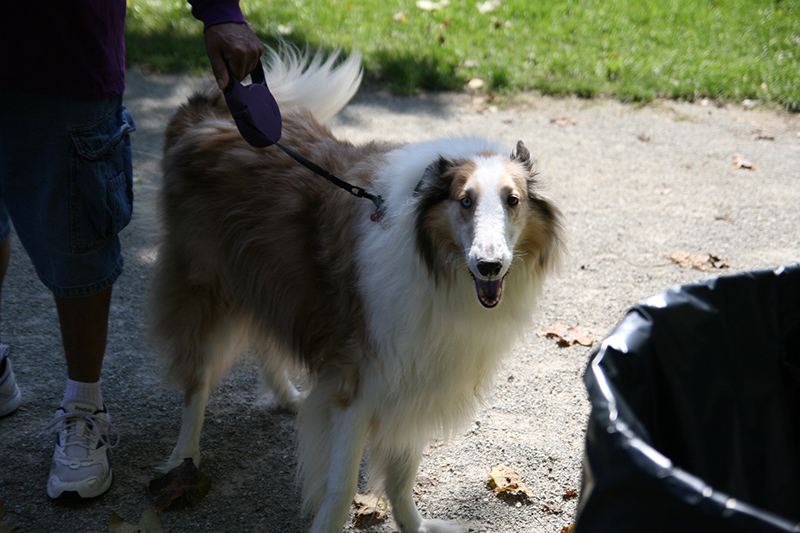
x=216, y=189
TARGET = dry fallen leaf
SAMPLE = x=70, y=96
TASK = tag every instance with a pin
x=740, y=162
x=369, y=508
x=182, y=483
x=500, y=23
x=706, y=263
x=567, y=336
x=488, y=7
x=432, y=6
x=476, y=84
x=508, y=484
x=551, y=508
x=563, y=121
x=285, y=29
x=148, y=523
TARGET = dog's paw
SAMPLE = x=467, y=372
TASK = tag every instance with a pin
x=439, y=526
x=184, y=483
x=285, y=393
x=173, y=463
x=291, y=400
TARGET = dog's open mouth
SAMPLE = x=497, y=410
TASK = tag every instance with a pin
x=489, y=291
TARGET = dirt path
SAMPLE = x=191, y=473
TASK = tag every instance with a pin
x=635, y=185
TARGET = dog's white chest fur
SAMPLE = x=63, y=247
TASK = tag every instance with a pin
x=438, y=348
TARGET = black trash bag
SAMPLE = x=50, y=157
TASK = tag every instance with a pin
x=695, y=421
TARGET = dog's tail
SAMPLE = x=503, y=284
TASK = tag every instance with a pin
x=313, y=81
x=323, y=85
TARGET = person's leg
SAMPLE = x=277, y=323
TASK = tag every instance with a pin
x=67, y=184
x=10, y=397
x=82, y=420
x=84, y=329
x=5, y=256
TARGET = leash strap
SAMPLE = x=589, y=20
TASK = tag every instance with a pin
x=355, y=190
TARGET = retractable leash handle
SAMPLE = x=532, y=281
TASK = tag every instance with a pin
x=254, y=108
x=258, y=119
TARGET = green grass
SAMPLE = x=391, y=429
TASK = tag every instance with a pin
x=632, y=50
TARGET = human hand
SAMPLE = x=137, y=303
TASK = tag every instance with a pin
x=235, y=43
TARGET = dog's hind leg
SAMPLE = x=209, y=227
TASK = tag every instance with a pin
x=277, y=371
x=192, y=417
x=399, y=469
x=198, y=338
x=287, y=395
x=212, y=352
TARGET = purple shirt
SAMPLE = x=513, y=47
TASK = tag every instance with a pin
x=76, y=48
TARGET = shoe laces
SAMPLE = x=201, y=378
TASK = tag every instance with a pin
x=79, y=428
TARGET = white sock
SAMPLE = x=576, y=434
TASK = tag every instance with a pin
x=77, y=390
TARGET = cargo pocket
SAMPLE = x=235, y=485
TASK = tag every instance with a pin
x=101, y=184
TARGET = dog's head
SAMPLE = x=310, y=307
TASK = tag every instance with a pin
x=484, y=211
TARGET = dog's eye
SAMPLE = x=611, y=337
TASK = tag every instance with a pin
x=466, y=202
x=513, y=201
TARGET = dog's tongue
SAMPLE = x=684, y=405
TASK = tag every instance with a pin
x=489, y=291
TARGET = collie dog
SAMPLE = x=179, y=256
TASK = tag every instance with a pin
x=399, y=318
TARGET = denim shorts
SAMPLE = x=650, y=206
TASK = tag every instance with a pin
x=66, y=185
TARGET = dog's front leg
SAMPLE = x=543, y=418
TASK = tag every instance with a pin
x=348, y=432
x=400, y=470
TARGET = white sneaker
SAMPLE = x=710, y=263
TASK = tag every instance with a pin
x=10, y=398
x=81, y=461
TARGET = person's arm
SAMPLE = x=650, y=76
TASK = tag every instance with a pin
x=228, y=38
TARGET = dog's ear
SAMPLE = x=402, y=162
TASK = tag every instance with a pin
x=431, y=178
x=432, y=189
x=522, y=155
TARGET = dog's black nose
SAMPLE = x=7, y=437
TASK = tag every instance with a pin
x=489, y=269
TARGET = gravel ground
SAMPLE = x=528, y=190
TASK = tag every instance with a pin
x=636, y=184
